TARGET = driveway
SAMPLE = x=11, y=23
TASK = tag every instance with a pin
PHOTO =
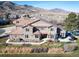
x=7, y=30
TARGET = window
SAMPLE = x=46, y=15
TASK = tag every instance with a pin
x=26, y=36
x=51, y=29
x=27, y=29
x=36, y=36
x=17, y=21
x=50, y=36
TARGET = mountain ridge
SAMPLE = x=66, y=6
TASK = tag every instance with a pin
x=56, y=14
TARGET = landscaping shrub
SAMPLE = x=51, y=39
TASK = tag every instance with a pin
x=45, y=49
x=15, y=50
x=39, y=50
x=70, y=47
x=56, y=50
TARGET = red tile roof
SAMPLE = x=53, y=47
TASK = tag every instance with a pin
x=42, y=23
x=17, y=30
x=24, y=21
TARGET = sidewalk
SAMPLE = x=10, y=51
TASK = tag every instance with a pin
x=33, y=43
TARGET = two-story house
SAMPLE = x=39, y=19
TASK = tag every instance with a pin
x=32, y=30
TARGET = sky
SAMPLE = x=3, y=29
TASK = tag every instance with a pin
x=66, y=5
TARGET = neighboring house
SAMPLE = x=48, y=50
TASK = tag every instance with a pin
x=32, y=30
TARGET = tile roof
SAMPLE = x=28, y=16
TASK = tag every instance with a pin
x=27, y=21
x=17, y=30
x=42, y=32
x=42, y=24
x=24, y=21
x=45, y=32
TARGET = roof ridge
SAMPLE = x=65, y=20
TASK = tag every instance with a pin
x=31, y=23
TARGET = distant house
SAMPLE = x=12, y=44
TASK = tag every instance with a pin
x=3, y=21
x=32, y=30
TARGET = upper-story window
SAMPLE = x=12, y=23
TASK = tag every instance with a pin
x=27, y=29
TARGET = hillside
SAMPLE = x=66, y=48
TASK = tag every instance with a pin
x=53, y=15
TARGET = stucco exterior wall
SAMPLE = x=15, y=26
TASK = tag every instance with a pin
x=52, y=32
x=28, y=34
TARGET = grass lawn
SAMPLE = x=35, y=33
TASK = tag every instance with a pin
x=48, y=45
x=45, y=45
x=3, y=40
x=36, y=55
